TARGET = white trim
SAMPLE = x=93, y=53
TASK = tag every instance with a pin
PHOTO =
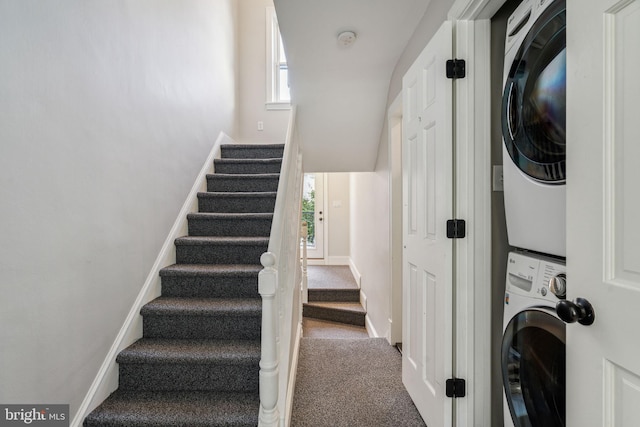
x=394, y=118
x=373, y=333
x=277, y=105
x=473, y=202
x=106, y=381
x=272, y=37
x=338, y=260
x=356, y=273
x=286, y=421
x=472, y=33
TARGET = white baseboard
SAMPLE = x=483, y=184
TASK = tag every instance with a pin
x=356, y=273
x=370, y=329
x=106, y=381
x=338, y=260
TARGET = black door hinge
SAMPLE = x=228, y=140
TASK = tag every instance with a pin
x=456, y=69
x=456, y=229
x=456, y=387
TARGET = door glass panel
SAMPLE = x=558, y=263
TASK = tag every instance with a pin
x=533, y=369
x=309, y=207
x=534, y=100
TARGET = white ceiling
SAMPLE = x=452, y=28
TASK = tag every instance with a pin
x=341, y=93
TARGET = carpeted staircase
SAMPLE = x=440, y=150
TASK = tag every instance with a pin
x=334, y=296
x=197, y=363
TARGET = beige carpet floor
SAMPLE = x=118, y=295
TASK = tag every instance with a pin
x=351, y=383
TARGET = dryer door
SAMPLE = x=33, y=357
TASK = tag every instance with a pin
x=533, y=103
x=533, y=369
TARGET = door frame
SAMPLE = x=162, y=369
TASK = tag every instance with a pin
x=394, y=119
x=319, y=256
x=472, y=173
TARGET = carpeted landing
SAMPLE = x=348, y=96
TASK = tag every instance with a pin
x=351, y=383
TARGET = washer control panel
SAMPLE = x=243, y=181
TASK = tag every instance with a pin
x=536, y=276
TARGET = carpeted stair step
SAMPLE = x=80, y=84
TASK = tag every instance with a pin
x=210, y=281
x=228, y=202
x=202, y=318
x=178, y=365
x=334, y=295
x=247, y=166
x=220, y=250
x=230, y=224
x=351, y=313
x=243, y=182
x=251, y=151
x=171, y=409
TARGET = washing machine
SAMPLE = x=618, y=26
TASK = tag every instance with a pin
x=533, y=343
x=533, y=126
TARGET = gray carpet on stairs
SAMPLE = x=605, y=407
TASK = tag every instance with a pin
x=197, y=363
x=351, y=383
x=330, y=277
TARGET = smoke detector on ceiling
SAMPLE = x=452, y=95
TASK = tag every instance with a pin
x=346, y=38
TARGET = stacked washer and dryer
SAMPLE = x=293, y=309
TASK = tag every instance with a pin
x=534, y=172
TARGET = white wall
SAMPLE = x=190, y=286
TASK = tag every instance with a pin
x=370, y=245
x=252, y=77
x=107, y=111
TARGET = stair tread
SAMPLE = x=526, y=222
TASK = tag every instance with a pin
x=237, y=194
x=170, y=408
x=346, y=290
x=230, y=270
x=253, y=146
x=230, y=215
x=244, y=175
x=175, y=306
x=249, y=160
x=158, y=350
x=221, y=240
x=354, y=307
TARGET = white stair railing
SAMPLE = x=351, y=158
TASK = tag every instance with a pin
x=279, y=285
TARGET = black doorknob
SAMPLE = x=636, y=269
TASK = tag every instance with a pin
x=580, y=311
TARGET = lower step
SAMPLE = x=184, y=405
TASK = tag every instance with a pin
x=334, y=295
x=242, y=182
x=170, y=409
x=168, y=364
x=232, y=202
x=220, y=250
x=210, y=281
x=350, y=313
x=202, y=318
x=230, y=224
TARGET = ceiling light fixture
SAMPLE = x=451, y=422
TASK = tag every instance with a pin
x=346, y=38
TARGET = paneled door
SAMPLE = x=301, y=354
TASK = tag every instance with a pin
x=427, y=175
x=603, y=211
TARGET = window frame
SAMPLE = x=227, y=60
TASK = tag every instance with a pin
x=274, y=65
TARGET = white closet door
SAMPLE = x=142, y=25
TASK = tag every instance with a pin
x=427, y=205
x=603, y=210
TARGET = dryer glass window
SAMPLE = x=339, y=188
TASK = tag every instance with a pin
x=534, y=100
x=533, y=369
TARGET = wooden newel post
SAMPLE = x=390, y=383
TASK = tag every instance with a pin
x=267, y=286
